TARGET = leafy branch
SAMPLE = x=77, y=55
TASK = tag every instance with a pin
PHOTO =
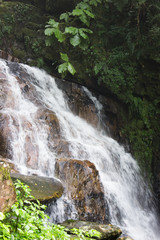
x=66, y=30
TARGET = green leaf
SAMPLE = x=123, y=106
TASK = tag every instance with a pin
x=82, y=34
x=83, y=19
x=2, y=216
x=71, y=30
x=64, y=57
x=49, y=31
x=83, y=6
x=59, y=35
x=71, y=69
x=64, y=16
x=75, y=41
x=98, y=67
x=63, y=67
x=94, y=2
x=91, y=15
x=86, y=30
x=77, y=12
x=53, y=23
x=17, y=211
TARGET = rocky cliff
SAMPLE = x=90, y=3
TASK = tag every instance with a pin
x=133, y=121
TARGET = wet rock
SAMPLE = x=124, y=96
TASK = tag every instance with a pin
x=79, y=102
x=7, y=56
x=108, y=232
x=5, y=136
x=32, y=152
x=56, y=142
x=82, y=105
x=6, y=100
x=43, y=189
x=8, y=162
x=82, y=185
x=125, y=238
x=7, y=191
x=51, y=120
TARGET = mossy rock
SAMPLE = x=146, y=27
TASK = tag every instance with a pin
x=7, y=190
x=4, y=172
x=42, y=188
x=107, y=232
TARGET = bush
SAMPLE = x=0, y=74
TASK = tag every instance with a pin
x=27, y=220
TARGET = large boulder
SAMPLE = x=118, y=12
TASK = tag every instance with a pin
x=107, y=232
x=82, y=185
x=7, y=191
x=42, y=188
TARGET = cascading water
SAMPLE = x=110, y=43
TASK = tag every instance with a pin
x=128, y=197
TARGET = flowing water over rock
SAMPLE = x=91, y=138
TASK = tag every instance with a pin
x=128, y=199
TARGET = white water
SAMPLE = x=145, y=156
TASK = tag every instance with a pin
x=126, y=193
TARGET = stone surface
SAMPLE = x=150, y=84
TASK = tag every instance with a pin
x=8, y=57
x=43, y=189
x=78, y=101
x=8, y=162
x=81, y=105
x=7, y=191
x=108, y=232
x=125, y=238
x=5, y=100
x=82, y=185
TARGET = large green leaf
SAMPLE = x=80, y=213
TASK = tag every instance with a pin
x=82, y=34
x=86, y=30
x=64, y=16
x=2, y=216
x=53, y=23
x=63, y=67
x=76, y=40
x=59, y=35
x=83, y=6
x=71, y=30
x=71, y=69
x=83, y=19
x=64, y=57
x=49, y=31
x=90, y=14
x=77, y=12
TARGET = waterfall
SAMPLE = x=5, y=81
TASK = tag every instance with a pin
x=127, y=195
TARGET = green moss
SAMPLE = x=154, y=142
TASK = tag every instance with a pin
x=20, y=54
x=4, y=173
x=28, y=32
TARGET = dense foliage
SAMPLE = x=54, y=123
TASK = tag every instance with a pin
x=117, y=43
x=27, y=220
